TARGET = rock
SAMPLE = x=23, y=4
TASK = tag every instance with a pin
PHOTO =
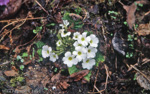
x=142, y=81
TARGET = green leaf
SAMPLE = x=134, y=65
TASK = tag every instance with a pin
x=135, y=77
x=21, y=67
x=87, y=77
x=78, y=10
x=39, y=44
x=88, y=32
x=45, y=88
x=22, y=60
x=99, y=58
x=25, y=54
x=34, y=31
x=40, y=59
x=51, y=24
x=39, y=51
x=72, y=69
x=20, y=79
x=19, y=57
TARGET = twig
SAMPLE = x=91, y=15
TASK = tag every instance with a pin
x=97, y=92
x=116, y=63
x=12, y=29
x=107, y=72
x=97, y=89
x=140, y=72
x=41, y=6
x=19, y=20
x=96, y=78
x=146, y=13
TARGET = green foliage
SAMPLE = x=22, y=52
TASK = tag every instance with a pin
x=20, y=58
x=45, y=88
x=25, y=54
x=135, y=77
x=39, y=44
x=40, y=59
x=112, y=12
x=14, y=81
x=87, y=77
x=20, y=79
x=35, y=31
x=55, y=70
x=51, y=24
x=77, y=23
x=141, y=5
x=21, y=67
x=130, y=37
x=39, y=51
x=129, y=54
x=125, y=23
x=78, y=10
x=67, y=45
x=72, y=69
x=99, y=58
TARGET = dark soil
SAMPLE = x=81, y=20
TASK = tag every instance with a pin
x=113, y=76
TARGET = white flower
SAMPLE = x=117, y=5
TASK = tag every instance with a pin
x=53, y=57
x=91, y=52
x=59, y=42
x=65, y=24
x=80, y=53
x=70, y=59
x=76, y=35
x=93, y=40
x=88, y=63
x=63, y=34
x=83, y=39
x=77, y=44
x=46, y=50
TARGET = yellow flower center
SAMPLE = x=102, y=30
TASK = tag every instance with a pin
x=79, y=53
x=59, y=43
x=48, y=51
x=87, y=61
x=91, y=41
x=76, y=36
x=82, y=38
x=54, y=56
x=70, y=58
x=89, y=51
x=79, y=44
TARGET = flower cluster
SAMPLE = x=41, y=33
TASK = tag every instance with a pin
x=47, y=52
x=80, y=48
x=85, y=50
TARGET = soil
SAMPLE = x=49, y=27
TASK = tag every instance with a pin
x=124, y=43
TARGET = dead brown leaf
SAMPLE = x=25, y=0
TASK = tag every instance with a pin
x=11, y=73
x=74, y=16
x=23, y=90
x=64, y=85
x=131, y=10
x=143, y=29
x=79, y=75
x=55, y=77
x=62, y=80
x=4, y=47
